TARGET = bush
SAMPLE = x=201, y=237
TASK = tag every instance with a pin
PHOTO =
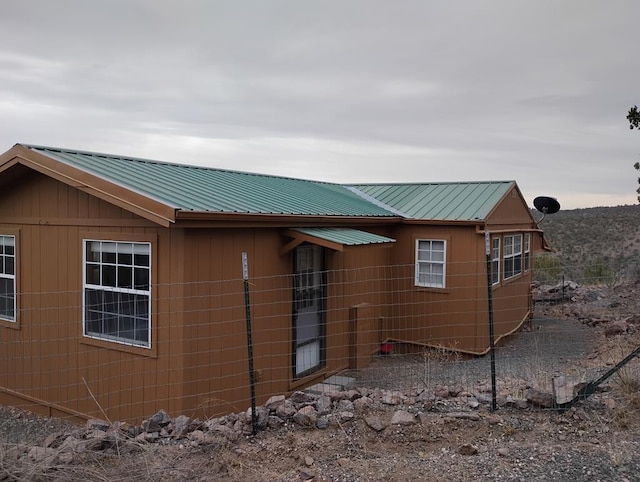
x=598, y=272
x=547, y=268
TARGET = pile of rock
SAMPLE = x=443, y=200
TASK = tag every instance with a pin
x=377, y=407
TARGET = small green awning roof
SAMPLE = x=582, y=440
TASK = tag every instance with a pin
x=335, y=238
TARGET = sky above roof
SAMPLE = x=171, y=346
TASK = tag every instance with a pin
x=340, y=91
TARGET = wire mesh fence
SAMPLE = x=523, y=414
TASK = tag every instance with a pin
x=190, y=354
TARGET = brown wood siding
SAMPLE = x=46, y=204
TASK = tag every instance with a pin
x=46, y=359
x=512, y=212
x=438, y=317
x=216, y=371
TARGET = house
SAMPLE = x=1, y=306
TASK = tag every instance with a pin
x=121, y=279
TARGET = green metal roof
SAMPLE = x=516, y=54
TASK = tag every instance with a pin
x=202, y=189
x=458, y=201
x=345, y=236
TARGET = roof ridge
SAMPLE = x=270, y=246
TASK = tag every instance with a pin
x=175, y=164
x=428, y=183
x=377, y=202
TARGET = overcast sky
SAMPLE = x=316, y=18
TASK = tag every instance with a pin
x=341, y=91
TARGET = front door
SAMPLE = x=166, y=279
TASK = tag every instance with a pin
x=309, y=295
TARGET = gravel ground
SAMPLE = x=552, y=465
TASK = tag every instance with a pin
x=552, y=347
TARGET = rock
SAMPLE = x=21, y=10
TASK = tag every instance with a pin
x=539, y=398
x=468, y=449
x=473, y=402
x=455, y=391
x=96, y=424
x=335, y=395
x=262, y=417
x=150, y=426
x=391, y=397
x=423, y=418
x=402, y=417
x=181, y=426
x=229, y=433
x=375, y=423
x=162, y=418
x=286, y=410
x=465, y=415
x=302, y=397
x=362, y=404
x=274, y=401
x=345, y=406
x=323, y=405
x=322, y=422
x=616, y=328
x=307, y=416
x=426, y=399
x=510, y=402
x=305, y=476
x=308, y=461
x=352, y=395
x=346, y=416
x=343, y=461
x=503, y=451
x=485, y=398
x=274, y=422
x=149, y=437
x=441, y=392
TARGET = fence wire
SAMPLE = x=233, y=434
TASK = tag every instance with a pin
x=197, y=359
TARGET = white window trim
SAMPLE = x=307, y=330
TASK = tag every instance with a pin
x=86, y=285
x=11, y=277
x=526, y=256
x=443, y=263
x=512, y=255
x=495, y=260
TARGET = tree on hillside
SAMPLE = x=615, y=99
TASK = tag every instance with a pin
x=634, y=123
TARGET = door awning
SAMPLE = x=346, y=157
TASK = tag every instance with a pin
x=333, y=238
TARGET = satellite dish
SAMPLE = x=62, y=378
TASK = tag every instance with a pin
x=546, y=205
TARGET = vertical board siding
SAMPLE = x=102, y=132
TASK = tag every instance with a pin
x=45, y=358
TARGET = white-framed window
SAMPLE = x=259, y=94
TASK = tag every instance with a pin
x=512, y=255
x=431, y=263
x=8, y=306
x=495, y=260
x=527, y=251
x=117, y=291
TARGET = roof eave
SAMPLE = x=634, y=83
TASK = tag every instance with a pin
x=281, y=220
x=446, y=222
x=93, y=185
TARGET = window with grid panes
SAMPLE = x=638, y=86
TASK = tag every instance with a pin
x=431, y=257
x=117, y=291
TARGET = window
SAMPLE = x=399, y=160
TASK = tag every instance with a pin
x=527, y=251
x=431, y=257
x=512, y=255
x=8, y=278
x=495, y=260
x=117, y=292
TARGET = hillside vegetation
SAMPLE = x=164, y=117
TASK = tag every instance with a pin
x=592, y=245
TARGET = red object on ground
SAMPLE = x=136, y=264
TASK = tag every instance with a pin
x=386, y=348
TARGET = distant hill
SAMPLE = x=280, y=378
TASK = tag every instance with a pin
x=594, y=238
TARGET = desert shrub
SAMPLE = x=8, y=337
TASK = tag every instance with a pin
x=597, y=272
x=547, y=268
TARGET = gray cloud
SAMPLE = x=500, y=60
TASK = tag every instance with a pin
x=337, y=90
